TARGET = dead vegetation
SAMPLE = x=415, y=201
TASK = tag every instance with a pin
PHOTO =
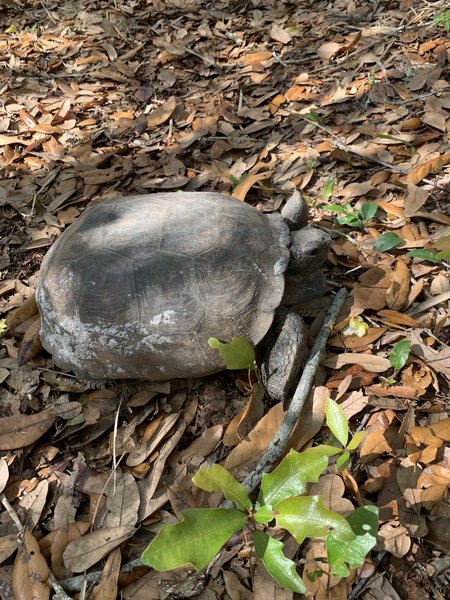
x=347, y=101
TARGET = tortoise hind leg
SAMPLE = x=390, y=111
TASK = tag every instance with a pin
x=285, y=349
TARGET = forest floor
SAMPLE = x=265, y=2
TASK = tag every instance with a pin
x=348, y=102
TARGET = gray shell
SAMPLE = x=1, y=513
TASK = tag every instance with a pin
x=136, y=286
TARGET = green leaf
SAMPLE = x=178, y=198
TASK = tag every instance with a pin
x=3, y=326
x=217, y=479
x=312, y=116
x=282, y=569
x=293, y=474
x=307, y=517
x=339, y=208
x=369, y=210
x=340, y=553
x=336, y=421
x=356, y=440
x=327, y=189
x=237, y=354
x=388, y=241
x=196, y=540
x=351, y=219
x=399, y=354
x=430, y=255
x=444, y=254
x=264, y=514
x=343, y=460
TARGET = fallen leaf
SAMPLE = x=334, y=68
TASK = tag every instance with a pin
x=370, y=362
x=30, y=574
x=84, y=552
x=22, y=430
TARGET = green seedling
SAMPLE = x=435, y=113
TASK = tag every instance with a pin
x=282, y=499
x=353, y=217
x=444, y=20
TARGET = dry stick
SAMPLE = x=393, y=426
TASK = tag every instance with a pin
x=60, y=593
x=279, y=442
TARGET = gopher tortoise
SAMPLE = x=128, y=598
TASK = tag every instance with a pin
x=137, y=285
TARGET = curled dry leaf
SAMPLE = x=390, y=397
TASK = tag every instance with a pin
x=30, y=573
x=21, y=430
x=84, y=552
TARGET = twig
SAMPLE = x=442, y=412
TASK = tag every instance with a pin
x=73, y=584
x=278, y=443
x=60, y=593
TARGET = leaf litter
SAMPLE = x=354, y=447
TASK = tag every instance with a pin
x=349, y=103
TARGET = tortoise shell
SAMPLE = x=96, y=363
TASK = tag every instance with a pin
x=136, y=286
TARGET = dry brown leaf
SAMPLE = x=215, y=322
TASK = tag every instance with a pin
x=162, y=113
x=242, y=189
x=439, y=360
x=279, y=34
x=148, y=485
x=332, y=489
x=400, y=391
x=311, y=418
x=8, y=545
x=397, y=296
x=415, y=198
x=394, y=539
x=417, y=375
x=248, y=452
x=422, y=170
x=155, y=433
x=202, y=446
x=353, y=404
x=21, y=430
x=27, y=310
x=353, y=342
x=245, y=420
x=370, y=362
x=84, y=552
x=107, y=588
x=32, y=504
x=371, y=291
x=54, y=544
x=234, y=588
x=398, y=318
x=253, y=58
x=4, y=474
x=122, y=500
x=30, y=574
x=441, y=429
